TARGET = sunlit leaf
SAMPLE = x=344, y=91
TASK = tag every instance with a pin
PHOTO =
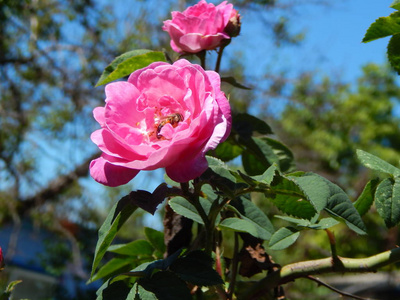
x=395, y=4
x=375, y=163
x=128, y=62
x=382, y=27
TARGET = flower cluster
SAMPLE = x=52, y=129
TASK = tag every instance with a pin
x=167, y=116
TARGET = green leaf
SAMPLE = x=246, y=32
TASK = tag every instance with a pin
x=219, y=176
x=395, y=4
x=366, y=198
x=262, y=152
x=258, y=157
x=290, y=199
x=232, y=81
x=393, y=52
x=297, y=222
x=267, y=176
x=128, y=62
x=283, y=153
x=166, y=286
x=117, y=290
x=324, y=223
x=117, y=216
x=245, y=225
x=113, y=267
x=156, y=239
x=135, y=248
x=196, y=268
x=246, y=125
x=375, y=163
x=220, y=168
x=387, y=201
x=252, y=213
x=284, y=238
x=227, y=150
x=260, y=181
x=208, y=193
x=161, y=264
x=142, y=293
x=321, y=224
x=383, y=27
x=314, y=187
x=183, y=207
x=340, y=206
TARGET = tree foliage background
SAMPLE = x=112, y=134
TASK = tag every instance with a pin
x=52, y=53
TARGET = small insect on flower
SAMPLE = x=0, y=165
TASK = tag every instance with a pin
x=172, y=119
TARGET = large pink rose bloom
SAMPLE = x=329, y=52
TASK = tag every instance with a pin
x=164, y=116
x=199, y=27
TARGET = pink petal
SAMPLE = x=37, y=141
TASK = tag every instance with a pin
x=185, y=170
x=109, y=174
x=98, y=114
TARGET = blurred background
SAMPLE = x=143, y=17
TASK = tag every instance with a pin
x=324, y=93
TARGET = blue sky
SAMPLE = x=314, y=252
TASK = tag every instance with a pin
x=335, y=34
x=333, y=38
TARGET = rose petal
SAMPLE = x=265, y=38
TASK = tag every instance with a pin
x=99, y=115
x=109, y=174
x=180, y=172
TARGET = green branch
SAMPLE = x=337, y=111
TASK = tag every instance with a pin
x=323, y=266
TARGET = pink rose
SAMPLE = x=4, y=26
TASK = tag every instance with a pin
x=199, y=27
x=164, y=116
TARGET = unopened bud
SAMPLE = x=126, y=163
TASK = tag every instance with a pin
x=233, y=26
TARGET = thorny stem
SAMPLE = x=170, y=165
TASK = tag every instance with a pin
x=235, y=264
x=322, y=266
x=335, y=289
